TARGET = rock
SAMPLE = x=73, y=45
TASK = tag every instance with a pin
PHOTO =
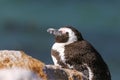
x=57, y=73
x=13, y=59
x=10, y=59
x=18, y=74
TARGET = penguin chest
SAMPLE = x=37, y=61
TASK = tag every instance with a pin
x=58, y=54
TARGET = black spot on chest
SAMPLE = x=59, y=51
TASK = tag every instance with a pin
x=55, y=54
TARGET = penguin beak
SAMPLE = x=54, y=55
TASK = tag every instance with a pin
x=54, y=31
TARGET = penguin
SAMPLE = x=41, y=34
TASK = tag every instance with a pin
x=72, y=51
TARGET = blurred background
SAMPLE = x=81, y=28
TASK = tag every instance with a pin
x=23, y=25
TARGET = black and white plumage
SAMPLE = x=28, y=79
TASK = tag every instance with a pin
x=70, y=50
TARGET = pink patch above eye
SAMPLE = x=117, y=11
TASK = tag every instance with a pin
x=63, y=31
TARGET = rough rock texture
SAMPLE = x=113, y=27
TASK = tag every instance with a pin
x=12, y=59
x=57, y=73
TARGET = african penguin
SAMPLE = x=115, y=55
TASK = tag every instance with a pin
x=71, y=51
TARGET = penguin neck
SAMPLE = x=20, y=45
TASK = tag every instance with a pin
x=64, y=44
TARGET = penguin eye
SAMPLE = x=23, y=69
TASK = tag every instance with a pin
x=67, y=33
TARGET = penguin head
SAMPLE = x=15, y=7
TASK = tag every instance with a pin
x=66, y=34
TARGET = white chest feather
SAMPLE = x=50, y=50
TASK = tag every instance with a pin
x=55, y=61
x=90, y=72
x=59, y=47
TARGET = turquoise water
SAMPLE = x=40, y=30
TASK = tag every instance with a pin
x=24, y=24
